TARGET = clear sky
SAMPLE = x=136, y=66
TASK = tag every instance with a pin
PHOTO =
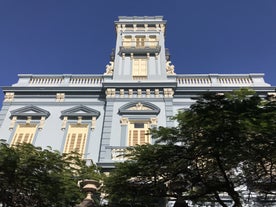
x=77, y=36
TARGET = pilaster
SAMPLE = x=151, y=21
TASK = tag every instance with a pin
x=105, y=152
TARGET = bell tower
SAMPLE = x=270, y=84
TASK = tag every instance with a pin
x=140, y=53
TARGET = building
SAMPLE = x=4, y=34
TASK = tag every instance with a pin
x=98, y=115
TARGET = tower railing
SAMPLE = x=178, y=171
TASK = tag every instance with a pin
x=140, y=47
x=140, y=44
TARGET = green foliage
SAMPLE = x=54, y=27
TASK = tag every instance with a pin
x=223, y=143
x=31, y=176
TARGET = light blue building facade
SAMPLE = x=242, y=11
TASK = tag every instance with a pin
x=99, y=115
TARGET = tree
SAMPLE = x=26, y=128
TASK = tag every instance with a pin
x=31, y=176
x=136, y=183
x=223, y=145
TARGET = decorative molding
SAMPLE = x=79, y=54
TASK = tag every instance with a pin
x=60, y=97
x=153, y=121
x=122, y=93
x=9, y=96
x=170, y=68
x=168, y=92
x=29, y=111
x=80, y=111
x=42, y=122
x=64, y=122
x=139, y=93
x=29, y=119
x=124, y=121
x=162, y=26
x=138, y=106
x=156, y=92
x=110, y=92
x=93, y=123
x=109, y=68
x=79, y=119
x=13, y=121
x=130, y=92
x=148, y=93
x=143, y=108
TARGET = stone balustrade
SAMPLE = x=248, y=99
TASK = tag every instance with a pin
x=59, y=80
x=46, y=81
x=189, y=80
x=118, y=154
x=86, y=81
x=205, y=80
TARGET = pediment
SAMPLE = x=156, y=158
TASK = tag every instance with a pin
x=80, y=110
x=33, y=111
x=139, y=108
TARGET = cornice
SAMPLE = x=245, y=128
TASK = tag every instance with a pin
x=140, y=84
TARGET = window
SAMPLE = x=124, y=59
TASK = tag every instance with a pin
x=140, y=41
x=138, y=133
x=79, y=122
x=127, y=41
x=152, y=41
x=139, y=68
x=24, y=133
x=76, y=138
x=26, y=121
x=137, y=118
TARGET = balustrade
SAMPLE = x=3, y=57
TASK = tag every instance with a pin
x=214, y=80
x=65, y=81
x=118, y=154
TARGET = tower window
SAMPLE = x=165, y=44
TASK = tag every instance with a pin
x=153, y=41
x=140, y=41
x=139, y=68
x=127, y=41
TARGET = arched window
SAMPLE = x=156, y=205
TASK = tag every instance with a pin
x=137, y=118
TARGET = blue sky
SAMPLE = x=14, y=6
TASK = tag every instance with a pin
x=77, y=36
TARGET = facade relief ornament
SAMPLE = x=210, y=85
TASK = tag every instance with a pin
x=170, y=68
x=42, y=122
x=124, y=121
x=64, y=122
x=13, y=121
x=138, y=107
x=60, y=97
x=168, y=92
x=156, y=92
x=109, y=68
x=110, y=92
x=9, y=97
x=153, y=121
x=93, y=123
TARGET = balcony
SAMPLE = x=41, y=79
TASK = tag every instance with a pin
x=139, y=48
